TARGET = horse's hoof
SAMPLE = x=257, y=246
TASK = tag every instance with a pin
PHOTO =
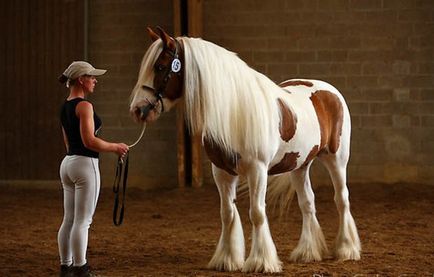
x=225, y=265
x=261, y=265
x=305, y=256
x=345, y=253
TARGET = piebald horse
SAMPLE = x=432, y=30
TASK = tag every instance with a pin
x=257, y=130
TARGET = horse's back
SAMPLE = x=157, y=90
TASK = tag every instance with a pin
x=308, y=86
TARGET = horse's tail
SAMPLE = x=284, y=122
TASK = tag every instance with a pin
x=279, y=193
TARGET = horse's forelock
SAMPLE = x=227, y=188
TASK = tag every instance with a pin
x=149, y=59
x=146, y=67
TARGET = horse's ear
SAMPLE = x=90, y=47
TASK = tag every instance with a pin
x=168, y=41
x=152, y=34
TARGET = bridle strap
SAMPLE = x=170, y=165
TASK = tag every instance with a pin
x=159, y=92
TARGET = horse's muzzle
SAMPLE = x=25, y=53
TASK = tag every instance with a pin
x=144, y=111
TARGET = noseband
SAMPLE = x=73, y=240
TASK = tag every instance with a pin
x=174, y=69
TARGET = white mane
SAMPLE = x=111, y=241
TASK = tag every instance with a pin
x=226, y=100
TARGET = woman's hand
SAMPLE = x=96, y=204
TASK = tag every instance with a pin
x=121, y=149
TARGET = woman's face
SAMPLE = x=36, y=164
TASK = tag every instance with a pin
x=88, y=83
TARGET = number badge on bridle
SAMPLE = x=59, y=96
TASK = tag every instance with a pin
x=176, y=65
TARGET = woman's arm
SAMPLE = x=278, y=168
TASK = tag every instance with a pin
x=65, y=140
x=84, y=111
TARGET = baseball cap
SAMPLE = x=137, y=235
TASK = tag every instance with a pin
x=80, y=68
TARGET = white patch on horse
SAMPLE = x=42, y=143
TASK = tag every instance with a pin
x=307, y=132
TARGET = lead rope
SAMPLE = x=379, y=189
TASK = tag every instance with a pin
x=140, y=137
x=118, y=217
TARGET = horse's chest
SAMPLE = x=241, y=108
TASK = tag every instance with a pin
x=220, y=158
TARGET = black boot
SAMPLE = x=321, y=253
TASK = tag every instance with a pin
x=65, y=270
x=82, y=271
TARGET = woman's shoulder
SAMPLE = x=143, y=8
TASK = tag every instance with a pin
x=81, y=101
x=84, y=106
x=76, y=101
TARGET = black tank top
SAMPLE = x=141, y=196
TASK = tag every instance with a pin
x=71, y=125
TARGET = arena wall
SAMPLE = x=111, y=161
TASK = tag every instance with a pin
x=378, y=53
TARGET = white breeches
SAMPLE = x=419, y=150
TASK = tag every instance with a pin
x=81, y=184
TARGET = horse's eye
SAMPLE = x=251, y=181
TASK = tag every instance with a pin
x=159, y=67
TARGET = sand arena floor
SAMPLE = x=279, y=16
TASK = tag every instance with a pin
x=174, y=232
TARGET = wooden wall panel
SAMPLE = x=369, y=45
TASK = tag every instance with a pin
x=39, y=39
x=195, y=30
x=188, y=21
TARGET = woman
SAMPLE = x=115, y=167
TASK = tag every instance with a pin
x=79, y=171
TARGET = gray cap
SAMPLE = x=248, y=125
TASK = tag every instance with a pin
x=80, y=68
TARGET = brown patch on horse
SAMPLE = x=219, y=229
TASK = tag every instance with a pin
x=330, y=114
x=312, y=154
x=220, y=158
x=296, y=83
x=288, y=122
x=288, y=163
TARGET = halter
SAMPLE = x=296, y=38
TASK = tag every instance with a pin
x=175, y=67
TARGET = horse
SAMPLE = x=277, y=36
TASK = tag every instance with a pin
x=255, y=130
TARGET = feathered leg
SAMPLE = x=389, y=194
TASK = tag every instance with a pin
x=263, y=255
x=312, y=245
x=348, y=245
x=229, y=255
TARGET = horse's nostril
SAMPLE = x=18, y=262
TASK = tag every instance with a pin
x=144, y=110
x=137, y=112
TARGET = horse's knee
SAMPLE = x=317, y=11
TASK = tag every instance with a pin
x=341, y=200
x=257, y=216
x=228, y=214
